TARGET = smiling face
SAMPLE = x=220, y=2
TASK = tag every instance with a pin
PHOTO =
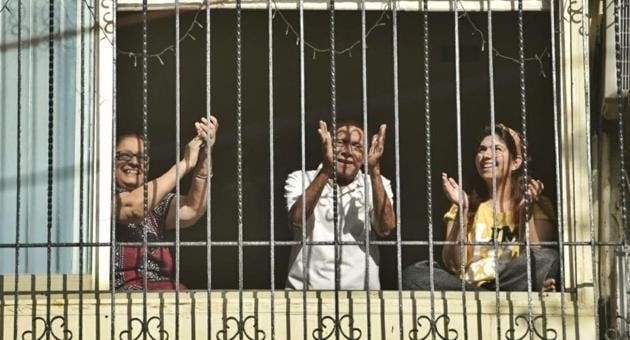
x=349, y=148
x=129, y=164
x=504, y=162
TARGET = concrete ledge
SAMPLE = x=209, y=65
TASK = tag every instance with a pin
x=298, y=316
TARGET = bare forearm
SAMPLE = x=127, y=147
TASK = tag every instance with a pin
x=540, y=230
x=452, y=253
x=195, y=202
x=384, y=215
x=131, y=204
x=308, y=200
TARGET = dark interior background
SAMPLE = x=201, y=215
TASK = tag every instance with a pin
x=286, y=134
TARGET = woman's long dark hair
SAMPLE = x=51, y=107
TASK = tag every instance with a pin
x=479, y=192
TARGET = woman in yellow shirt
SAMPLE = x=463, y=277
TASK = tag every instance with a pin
x=480, y=267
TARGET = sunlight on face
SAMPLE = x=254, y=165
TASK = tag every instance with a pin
x=349, y=148
x=503, y=161
x=129, y=163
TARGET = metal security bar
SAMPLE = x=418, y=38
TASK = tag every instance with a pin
x=476, y=309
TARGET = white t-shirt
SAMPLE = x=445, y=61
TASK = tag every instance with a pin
x=320, y=259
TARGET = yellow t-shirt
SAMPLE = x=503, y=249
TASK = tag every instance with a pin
x=481, y=267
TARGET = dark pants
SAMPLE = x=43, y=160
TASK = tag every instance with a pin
x=513, y=277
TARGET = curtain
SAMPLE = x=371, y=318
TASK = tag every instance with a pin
x=34, y=125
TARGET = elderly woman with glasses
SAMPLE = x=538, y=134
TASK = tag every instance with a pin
x=131, y=221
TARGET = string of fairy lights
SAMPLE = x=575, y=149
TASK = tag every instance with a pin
x=314, y=50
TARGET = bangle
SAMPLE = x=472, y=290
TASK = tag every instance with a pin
x=202, y=177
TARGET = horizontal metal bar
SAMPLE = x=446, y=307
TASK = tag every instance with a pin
x=292, y=243
x=67, y=292
x=370, y=5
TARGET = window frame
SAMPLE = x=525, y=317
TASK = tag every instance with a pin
x=573, y=121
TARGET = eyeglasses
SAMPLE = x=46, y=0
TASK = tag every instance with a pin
x=125, y=156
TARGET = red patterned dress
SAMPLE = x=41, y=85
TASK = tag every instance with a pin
x=129, y=260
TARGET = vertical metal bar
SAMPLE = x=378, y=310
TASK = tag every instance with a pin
x=622, y=158
x=81, y=160
x=625, y=36
x=177, y=158
x=493, y=123
x=18, y=187
x=521, y=55
x=112, y=235
x=587, y=107
x=305, y=275
x=621, y=287
x=333, y=110
x=394, y=5
x=556, y=127
x=51, y=149
x=624, y=87
x=239, y=156
x=624, y=66
x=145, y=138
x=622, y=57
x=209, y=188
x=367, y=227
x=272, y=196
x=427, y=151
x=462, y=221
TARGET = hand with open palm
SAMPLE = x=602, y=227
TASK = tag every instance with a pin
x=451, y=190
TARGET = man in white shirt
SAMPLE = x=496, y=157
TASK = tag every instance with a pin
x=316, y=268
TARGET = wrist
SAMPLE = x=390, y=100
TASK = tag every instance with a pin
x=462, y=205
x=202, y=176
x=375, y=170
x=327, y=169
x=184, y=167
x=202, y=170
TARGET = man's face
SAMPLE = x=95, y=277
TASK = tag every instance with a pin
x=129, y=163
x=349, y=151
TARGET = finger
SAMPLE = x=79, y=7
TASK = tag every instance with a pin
x=533, y=194
x=382, y=132
x=323, y=126
x=374, y=141
x=214, y=121
x=531, y=188
x=453, y=183
x=195, y=142
x=446, y=184
x=203, y=135
x=201, y=126
x=536, y=185
x=379, y=142
x=321, y=135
